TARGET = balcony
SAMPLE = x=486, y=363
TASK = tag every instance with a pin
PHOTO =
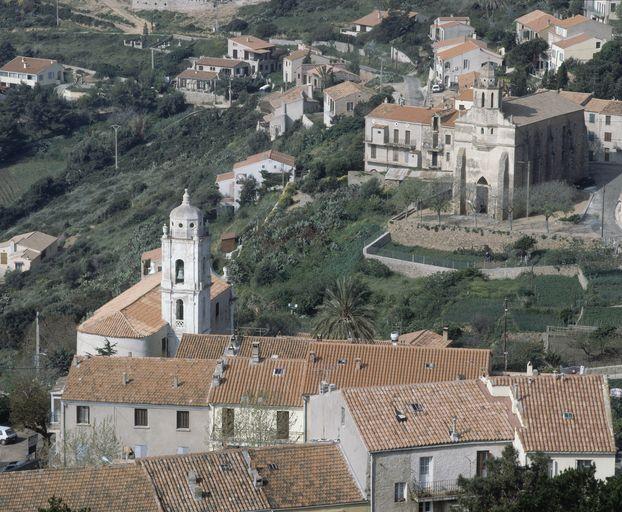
x=437, y=490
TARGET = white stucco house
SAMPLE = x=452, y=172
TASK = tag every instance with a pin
x=269, y=162
x=259, y=54
x=30, y=71
x=340, y=100
x=281, y=109
x=368, y=22
x=26, y=250
x=450, y=27
x=186, y=296
x=603, y=119
x=454, y=57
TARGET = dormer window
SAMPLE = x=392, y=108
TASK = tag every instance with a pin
x=278, y=372
x=568, y=415
x=429, y=366
x=342, y=361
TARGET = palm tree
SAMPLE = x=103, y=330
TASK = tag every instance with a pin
x=345, y=313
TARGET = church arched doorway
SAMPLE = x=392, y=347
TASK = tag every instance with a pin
x=482, y=190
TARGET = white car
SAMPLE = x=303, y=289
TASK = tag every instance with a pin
x=7, y=435
x=438, y=88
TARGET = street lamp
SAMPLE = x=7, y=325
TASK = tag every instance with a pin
x=116, y=127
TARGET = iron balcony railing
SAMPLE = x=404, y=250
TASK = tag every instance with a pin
x=436, y=489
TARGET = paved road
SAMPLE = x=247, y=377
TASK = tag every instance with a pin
x=611, y=178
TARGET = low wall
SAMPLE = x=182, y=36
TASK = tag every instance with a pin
x=413, y=269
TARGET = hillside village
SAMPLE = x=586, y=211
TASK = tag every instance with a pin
x=286, y=256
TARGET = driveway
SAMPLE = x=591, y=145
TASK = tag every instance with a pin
x=609, y=177
x=16, y=451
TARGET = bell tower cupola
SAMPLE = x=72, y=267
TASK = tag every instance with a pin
x=486, y=92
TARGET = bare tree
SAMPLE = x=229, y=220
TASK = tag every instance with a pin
x=87, y=446
x=254, y=423
x=551, y=197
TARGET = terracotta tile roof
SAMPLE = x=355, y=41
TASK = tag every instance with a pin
x=466, y=47
x=442, y=19
x=455, y=41
x=35, y=240
x=573, y=21
x=449, y=119
x=225, y=176
x=347, y=88
x=384, y=364
x=580, y=98
x=613, y=107
x=537, y=20
x=212, y=346
x=137, y=312
x=271, y=154
x=243, y=379
x=219, y=62
x=394, y=112
x=311, y=475
x=150, y=380
x=375, y=17
x=544, y=400
x=252, y=42
x=28, y=65
x=465, y=95
x=479, y=417
x=467, y=80
x=571, y=41
x=153, y=254
x=120, y=487
x=297, y=54
x=425, y=338
x=193, y=74
x=222, y=476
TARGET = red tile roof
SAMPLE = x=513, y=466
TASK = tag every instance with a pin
x=425, y=338
x=28, y=65
x=375, y=17
x=271, y=154
x=571, y=41
x=193, y=74
x=252, y=42
x=219, y=62
x=212, y=346
x=537, y=20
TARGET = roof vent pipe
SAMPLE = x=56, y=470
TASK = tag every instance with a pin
x=125, y=378
x=395, y=336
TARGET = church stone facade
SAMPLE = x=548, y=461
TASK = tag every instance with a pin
x=501, y=144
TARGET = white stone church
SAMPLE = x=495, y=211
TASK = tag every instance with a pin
x=178, y=293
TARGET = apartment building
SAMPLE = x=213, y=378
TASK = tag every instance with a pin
x=603, y=119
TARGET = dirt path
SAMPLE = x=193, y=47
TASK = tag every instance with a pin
x=122, y=10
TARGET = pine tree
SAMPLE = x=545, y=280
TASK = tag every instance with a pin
x=108, y=349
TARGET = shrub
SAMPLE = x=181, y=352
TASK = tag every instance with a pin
x=374, y=268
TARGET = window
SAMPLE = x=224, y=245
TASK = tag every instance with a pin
x=447, y=138
x=181, y=450
x=164, y=347
x=407, y=137
x=553, y=468
x=19, y=266
x=492, y=99
x=482, y=103
x=140, y=450
x=606, y=154
x=425, y=506
x=465, y=64
x=228, y=421
x=141, y=418
x=482, y=459
x=584, y=464
x=372, y=150
x=350, y=106
x=597, y=44
x=447, y=157
x=592, y=118
x=396, y=155
x=217, y=309
x=282, y=424
x=179, y=271
x=396, y=136
x=607, y=136
x=278, y=372
x=607, y=120
x=183, y=420
x=179, y=309
x=425, y=470
x=400, y=492
x=83, y=415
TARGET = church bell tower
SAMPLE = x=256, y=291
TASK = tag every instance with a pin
x=186, y=272
x=486, y=90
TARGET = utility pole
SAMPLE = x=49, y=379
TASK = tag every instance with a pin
x=116, y=127
x=57, y=17
x=37, y=342
x=602, y=216
x=152, y=59
x=505, y=334
x=528, y=185
x=381, y=71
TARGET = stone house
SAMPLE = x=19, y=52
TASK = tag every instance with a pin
x=451, y=27
x=368, y=22
x=31, y=71
x=454, y=57
x=256, y=166
x=317, y=76
x=193, y=80
x=282, y=109
x=259, y=54
x=290, y=478
x=603, y=119
x=407, y=445
x=24, y=251
x=603, y=11
x=534, y=24
x=340, y=100
x=292, y=64
x=418, y=139
x=226, y=68
x=186, y=296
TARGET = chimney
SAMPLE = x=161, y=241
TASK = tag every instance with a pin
x=255, y=352
x=395, y=336
x=175, y=381
x=313, y=357
x=454, y=436
x=125, y=378
x=582, y=370
x=515, y=391
x=257, y=479
x=358, y=363
x=193, y=483
x=529, y=369
x=445, y=333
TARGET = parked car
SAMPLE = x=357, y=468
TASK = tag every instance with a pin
x=438, y=88
x=7, y=435
x=19, y=465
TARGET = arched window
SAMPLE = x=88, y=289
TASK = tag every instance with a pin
x=179, y=271
x=483, y=100
x=492, y=100
x=179, y=309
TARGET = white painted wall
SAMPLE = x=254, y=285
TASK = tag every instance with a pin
x=254, y=170
x=52, y=75
x=151, y=346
